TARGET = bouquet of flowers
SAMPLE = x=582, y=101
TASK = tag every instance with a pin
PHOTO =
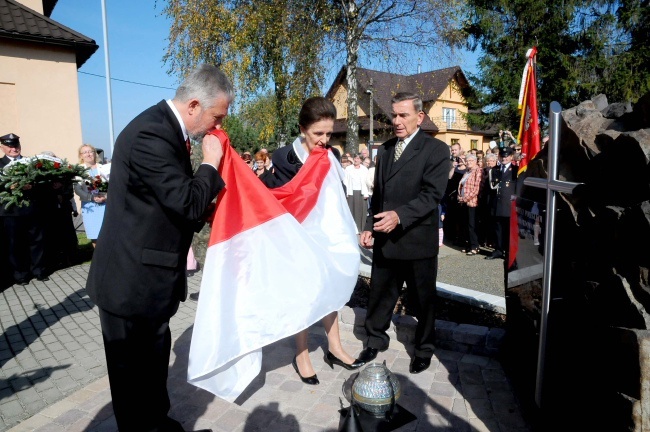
x=20, y=176
x=98, y=184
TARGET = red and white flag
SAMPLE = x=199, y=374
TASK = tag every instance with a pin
x=529, y=132
x=278, y=261
x=529, y=137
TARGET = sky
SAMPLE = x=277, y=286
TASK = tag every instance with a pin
x=137, y=40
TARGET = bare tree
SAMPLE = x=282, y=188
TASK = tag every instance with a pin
x=388, y=30
x=280, y=44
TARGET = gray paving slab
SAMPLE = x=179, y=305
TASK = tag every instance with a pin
x=53, y=372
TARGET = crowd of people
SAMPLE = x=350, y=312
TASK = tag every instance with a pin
x=39, y=236
x=414, y=190
x=478, y=196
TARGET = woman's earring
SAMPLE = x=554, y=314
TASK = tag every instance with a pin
x=302, y=135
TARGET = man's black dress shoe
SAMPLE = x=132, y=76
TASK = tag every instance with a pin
x=312, y=380
x=369, y=354
x=195, y=296
x=22, y=282
x=494, y=255
x=418, y=364
x=42, y=278
x=331, y=360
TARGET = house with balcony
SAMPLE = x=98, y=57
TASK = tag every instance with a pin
x=39, y=91
x=444, y=106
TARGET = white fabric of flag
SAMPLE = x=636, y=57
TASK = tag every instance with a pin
x=267, y=274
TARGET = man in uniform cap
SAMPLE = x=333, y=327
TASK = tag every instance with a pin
x=9, y=139
x=21, y=229
x=506, y=151
x=504, y=180
x=10, y=147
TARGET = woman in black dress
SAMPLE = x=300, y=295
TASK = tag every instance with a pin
x=316, y=121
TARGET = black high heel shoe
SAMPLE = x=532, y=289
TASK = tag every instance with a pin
x=331, y=360
x=312, y=380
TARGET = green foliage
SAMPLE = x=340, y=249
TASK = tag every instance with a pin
x=260, y=44
x=85, y=249
x=584, y=48
x=242, y=137
x=261, y=115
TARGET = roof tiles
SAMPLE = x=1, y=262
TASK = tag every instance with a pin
x=18, y=22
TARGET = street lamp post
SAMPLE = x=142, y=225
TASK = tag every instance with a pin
x=370, y=137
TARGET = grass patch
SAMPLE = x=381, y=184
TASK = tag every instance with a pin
x=84, y=250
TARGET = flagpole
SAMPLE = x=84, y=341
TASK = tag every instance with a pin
x=108, y=77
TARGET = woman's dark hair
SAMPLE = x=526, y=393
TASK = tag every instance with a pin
x=316, y=109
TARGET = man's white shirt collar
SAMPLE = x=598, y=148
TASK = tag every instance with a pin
x=408, y=139
x=178, y=117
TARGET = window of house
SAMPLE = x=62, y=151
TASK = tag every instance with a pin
x=454, y=141
x=473, y=144
x=449, y=116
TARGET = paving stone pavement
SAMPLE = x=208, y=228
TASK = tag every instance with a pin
x=53, y=374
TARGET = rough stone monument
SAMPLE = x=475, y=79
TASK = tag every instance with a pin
x=597, y=374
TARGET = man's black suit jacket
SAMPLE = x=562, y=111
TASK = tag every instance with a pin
x=154, y=206
x=413, y=187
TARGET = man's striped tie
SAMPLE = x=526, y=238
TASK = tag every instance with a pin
x=398, y=149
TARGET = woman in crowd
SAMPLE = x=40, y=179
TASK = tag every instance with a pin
x=261, y=163
x=316, y=121
x=93, y=203
x=370, y=180
x=248, y=159
x=357, y=189
x=468, y=193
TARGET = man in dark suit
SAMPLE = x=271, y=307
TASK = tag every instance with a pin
x=23, y=232
x=504, y=178
x=410, y=179
x=137, y=277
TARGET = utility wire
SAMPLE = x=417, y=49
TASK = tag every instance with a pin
x=129, y=82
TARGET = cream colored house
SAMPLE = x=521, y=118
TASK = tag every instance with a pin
x=441, y=93
x=39, y=91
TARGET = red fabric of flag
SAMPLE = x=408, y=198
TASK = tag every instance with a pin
x=529, y=132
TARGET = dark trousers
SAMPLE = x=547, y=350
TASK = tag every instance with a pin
x=386, y=281
x=502, y=230
x=137, y=359
x=26, y=245
x=471, y=227
x=359, y=208
x=452, y=225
